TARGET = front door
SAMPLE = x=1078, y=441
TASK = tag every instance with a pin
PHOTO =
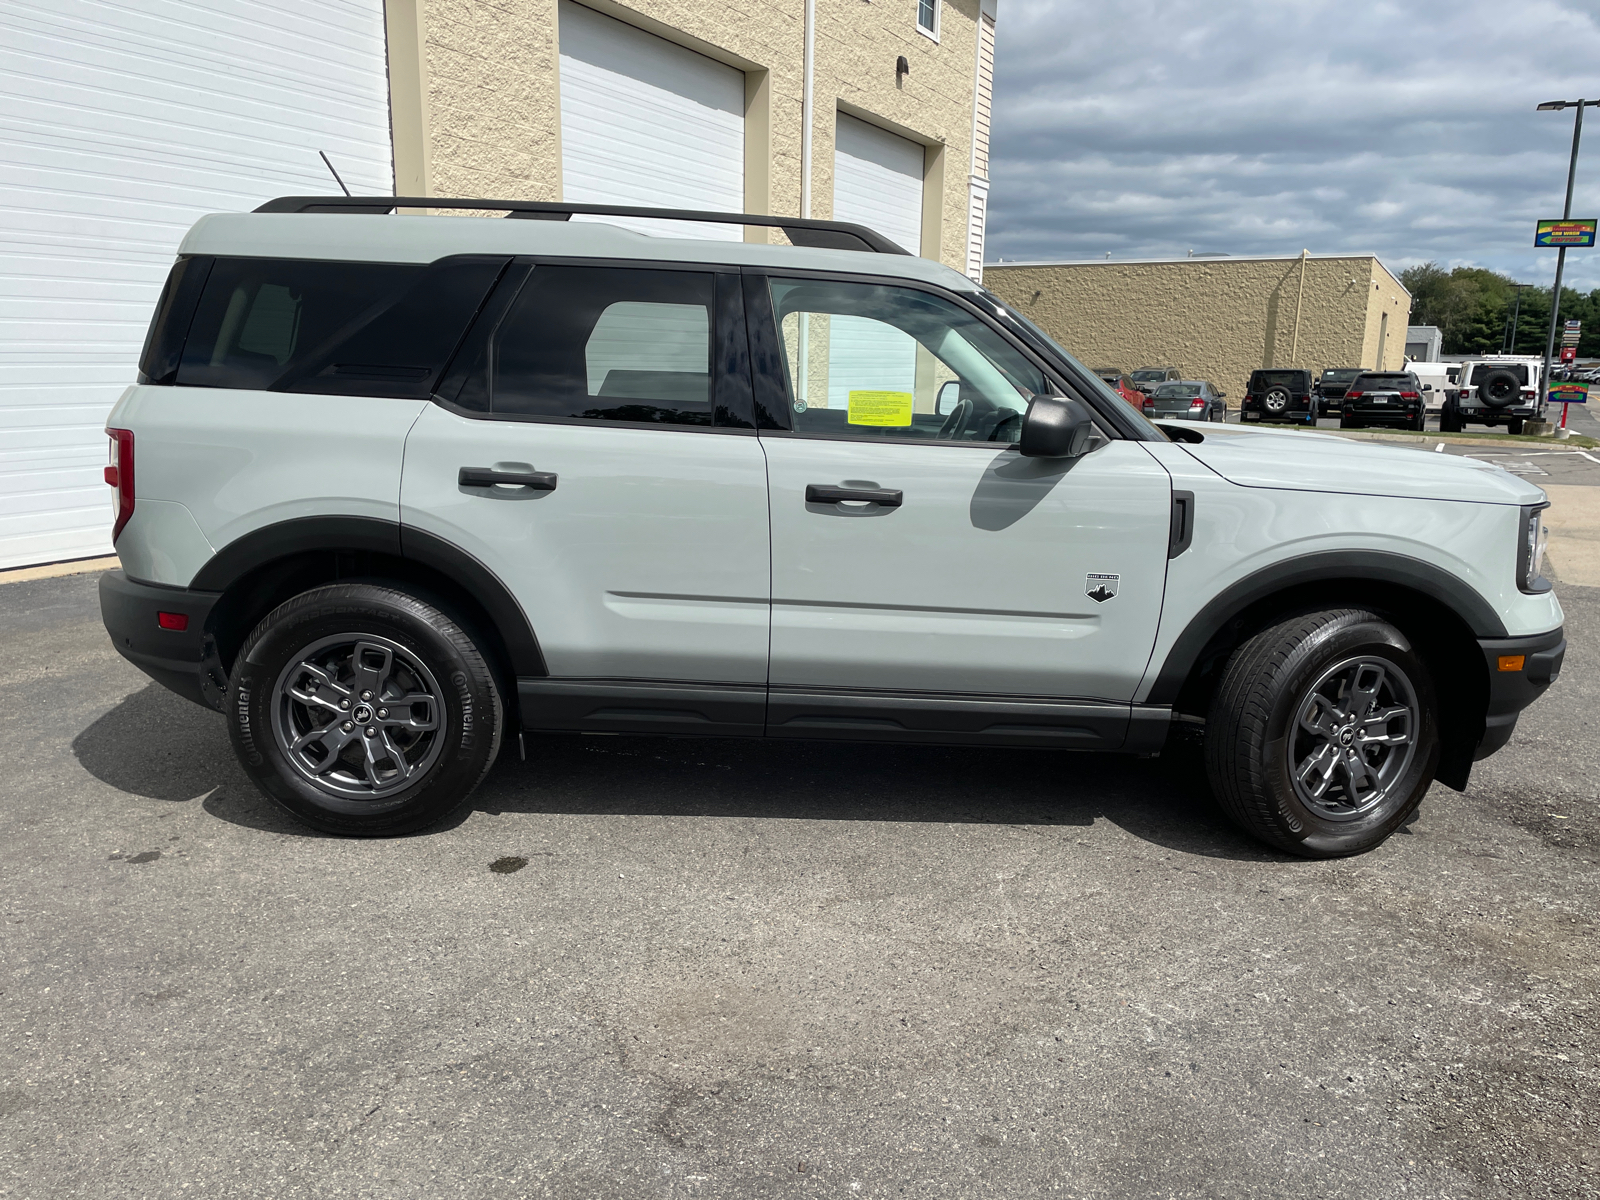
x=927, y=579
x=598, y=456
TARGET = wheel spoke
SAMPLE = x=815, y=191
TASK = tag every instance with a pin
x=1380, y=722
x=1358, y=771
x=1316, y=716
x=321, y=679
x=372, y=665
x=1316, y=771
x=1364, y=684
x=396, y=755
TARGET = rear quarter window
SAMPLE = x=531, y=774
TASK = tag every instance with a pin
x=342, y=328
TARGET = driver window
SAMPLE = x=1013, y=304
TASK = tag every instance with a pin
x=872, y=361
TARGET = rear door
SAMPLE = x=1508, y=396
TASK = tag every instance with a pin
x=928, y=581
x=596, y=453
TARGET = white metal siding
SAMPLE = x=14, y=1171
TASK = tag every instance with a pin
x=119, y=125
x=647, y=122
x=977, y=215
x=877, y=181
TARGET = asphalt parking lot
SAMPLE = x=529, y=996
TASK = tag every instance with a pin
x=741, y=970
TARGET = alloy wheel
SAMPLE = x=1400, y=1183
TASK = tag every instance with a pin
x=358, y=716
x=1354, y=736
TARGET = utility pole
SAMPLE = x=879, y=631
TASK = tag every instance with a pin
x=1509, y=344
x=1561, y=254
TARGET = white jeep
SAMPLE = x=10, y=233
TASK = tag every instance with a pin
x=393, y=489
x=1497, y=389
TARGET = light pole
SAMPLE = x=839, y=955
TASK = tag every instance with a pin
x=1509, y=345
x=1561, y=254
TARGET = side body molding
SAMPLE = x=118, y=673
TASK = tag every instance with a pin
x=1367, y=565
x=373, y=536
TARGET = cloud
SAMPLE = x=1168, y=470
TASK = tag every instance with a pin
x=1154, y=127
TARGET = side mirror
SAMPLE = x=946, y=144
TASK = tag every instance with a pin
x=949, y=395
x=1055, y=427
x=1222, y=395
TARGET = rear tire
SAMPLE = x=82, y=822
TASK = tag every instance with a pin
x=1322, y=737
x=1450, y=420
x=1345, y=421
x=363, y=710
x=1514, y=426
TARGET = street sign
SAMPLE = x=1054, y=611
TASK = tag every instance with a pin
x=1564, y=232
x=1569, y=393
x=1569, y=354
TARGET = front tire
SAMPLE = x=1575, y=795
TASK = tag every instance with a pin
x=1322, y=738
x=363, y=710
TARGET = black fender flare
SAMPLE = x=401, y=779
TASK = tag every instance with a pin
x=1366, y=565
x=374, y=535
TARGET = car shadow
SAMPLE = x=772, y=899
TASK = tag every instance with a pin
x=157, y=745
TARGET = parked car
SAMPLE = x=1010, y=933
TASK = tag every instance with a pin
x=1146, y=379
x=1331, y=386
x=1125, y=388
x=1384, y=398
x=1106, y=372
x=1279, y=395
x=569, y=478
x=1187, y=400
x=1497, y=389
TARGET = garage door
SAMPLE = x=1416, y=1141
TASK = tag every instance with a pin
x=119, y=125
x=877, y=181
x=644, y=121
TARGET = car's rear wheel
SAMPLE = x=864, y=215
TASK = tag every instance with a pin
x=1449, y=419
x=1514, y=425
x=1322, y=737
x=363, y=710
x=1346, y=421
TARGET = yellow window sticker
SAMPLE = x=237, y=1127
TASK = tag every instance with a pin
x=880, y=408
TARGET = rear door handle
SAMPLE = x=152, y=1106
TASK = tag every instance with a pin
x=539, y=481
x=821, y=493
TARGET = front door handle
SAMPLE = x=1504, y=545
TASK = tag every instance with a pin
x=821, y=493
x=539, y=481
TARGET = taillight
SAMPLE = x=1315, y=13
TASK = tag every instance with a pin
x=1411, y=395
x=1528, y=393
x=1352, y=395
x=1197, y=403
x=119, y=474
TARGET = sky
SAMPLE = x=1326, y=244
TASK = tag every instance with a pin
x=1156, y=127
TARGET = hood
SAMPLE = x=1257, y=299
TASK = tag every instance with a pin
x=1309, y=462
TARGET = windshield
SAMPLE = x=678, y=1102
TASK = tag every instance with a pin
x=1148, y=376
x=1049, y=344
x=1177, y=391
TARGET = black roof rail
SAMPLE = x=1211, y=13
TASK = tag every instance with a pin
x=816, y=235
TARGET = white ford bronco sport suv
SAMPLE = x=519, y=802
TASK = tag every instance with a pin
x=394, y=488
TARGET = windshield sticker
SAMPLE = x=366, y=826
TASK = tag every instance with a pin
x=1100, y=588
x=880, y=408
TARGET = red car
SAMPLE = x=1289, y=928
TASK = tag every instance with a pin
x=1123, y=386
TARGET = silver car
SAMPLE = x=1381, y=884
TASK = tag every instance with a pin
x=1187, y=400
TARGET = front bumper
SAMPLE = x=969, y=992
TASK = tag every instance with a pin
x=185, y=661
x=1511, y=691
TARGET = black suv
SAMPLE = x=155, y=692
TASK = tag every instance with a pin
x=1274, y=395
x=1332, y=386
x=1384, y=398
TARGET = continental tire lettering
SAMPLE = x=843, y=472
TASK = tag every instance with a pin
x=246, y=731
x=464, y=693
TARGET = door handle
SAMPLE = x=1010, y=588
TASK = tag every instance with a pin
x=821, y=493
x=539, y=481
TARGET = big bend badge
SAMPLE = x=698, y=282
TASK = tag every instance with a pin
x=1100, y=588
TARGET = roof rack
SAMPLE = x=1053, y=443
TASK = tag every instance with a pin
x=816, y=235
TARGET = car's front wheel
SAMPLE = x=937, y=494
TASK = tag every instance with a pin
x=363, y=710
x=1322, y=737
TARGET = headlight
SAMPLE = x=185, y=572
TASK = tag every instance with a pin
x=1530, y=549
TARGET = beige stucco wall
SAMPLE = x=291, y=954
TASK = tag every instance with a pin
x=488, y=119
x=1216, y=319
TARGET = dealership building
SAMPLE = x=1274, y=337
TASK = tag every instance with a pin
x=1216, y=317
x=124, y=123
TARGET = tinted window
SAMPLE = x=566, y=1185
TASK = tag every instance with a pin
x=1177, y=391
x=1520, y=370
x=872, y=361
x=1387, y=380
x=1148, y=376
x=604, y=343
x=1290, y=379
x=1340, y=375
x=374, y=329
